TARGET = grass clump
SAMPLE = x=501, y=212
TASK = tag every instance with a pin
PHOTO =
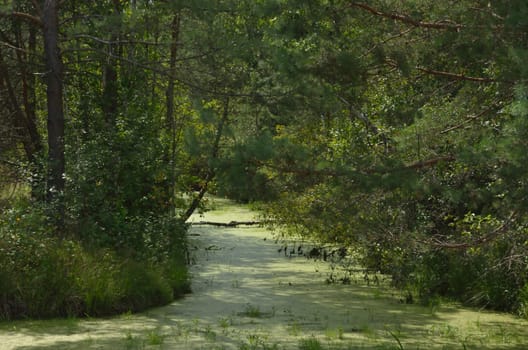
x=154, y=337
x=257, y=342
x=252, y=311
x=310, y=344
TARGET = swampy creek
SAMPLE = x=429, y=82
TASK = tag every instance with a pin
x=248, y=295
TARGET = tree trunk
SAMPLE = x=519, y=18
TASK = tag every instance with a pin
x=170, y=117
x=25, y=61
x=54, y=92
x=110, y=101
x=211, y=173
x=19, y=120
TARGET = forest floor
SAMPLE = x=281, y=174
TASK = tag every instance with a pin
x=247, y=295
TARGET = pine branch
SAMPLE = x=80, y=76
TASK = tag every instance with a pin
x=490, y=237
x=453, y=76
x=25, y=16
x=10, y=163
x=471, y=118
x=343, y=173
x=355, y=113
x=396, y=36
x=444, y=25
x=116, y=42
x=456, y=76
x=13, y=47
x=429, y=163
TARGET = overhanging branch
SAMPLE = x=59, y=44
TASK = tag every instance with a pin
x=456, y=76
x=362, y=172
x=444, y=24
x=450, y=75
x=490, y=237
x=24, y=16
x=429, y=162
x=495, y=106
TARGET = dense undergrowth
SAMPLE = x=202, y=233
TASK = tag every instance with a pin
x=384, y=237
x=45, y=275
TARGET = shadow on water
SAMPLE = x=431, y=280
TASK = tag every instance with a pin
x=246, y=295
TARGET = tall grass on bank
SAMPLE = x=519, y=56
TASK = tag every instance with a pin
x=43, y=275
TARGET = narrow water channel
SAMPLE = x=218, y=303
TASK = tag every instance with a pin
x=248, y=295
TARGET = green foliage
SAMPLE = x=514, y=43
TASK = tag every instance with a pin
x=407, y=144
x=44, y=276
x=239, y=176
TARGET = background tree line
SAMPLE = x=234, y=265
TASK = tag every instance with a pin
x=395, y=128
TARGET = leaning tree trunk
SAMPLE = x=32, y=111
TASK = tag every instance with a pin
x=56, y=158
x=211, y=173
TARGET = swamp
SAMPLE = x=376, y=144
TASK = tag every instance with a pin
x=247, y=295
x=263, y=174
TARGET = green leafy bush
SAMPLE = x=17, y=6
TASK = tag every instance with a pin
x=43, y=275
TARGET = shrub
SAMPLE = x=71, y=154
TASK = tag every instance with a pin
x=42, y=275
